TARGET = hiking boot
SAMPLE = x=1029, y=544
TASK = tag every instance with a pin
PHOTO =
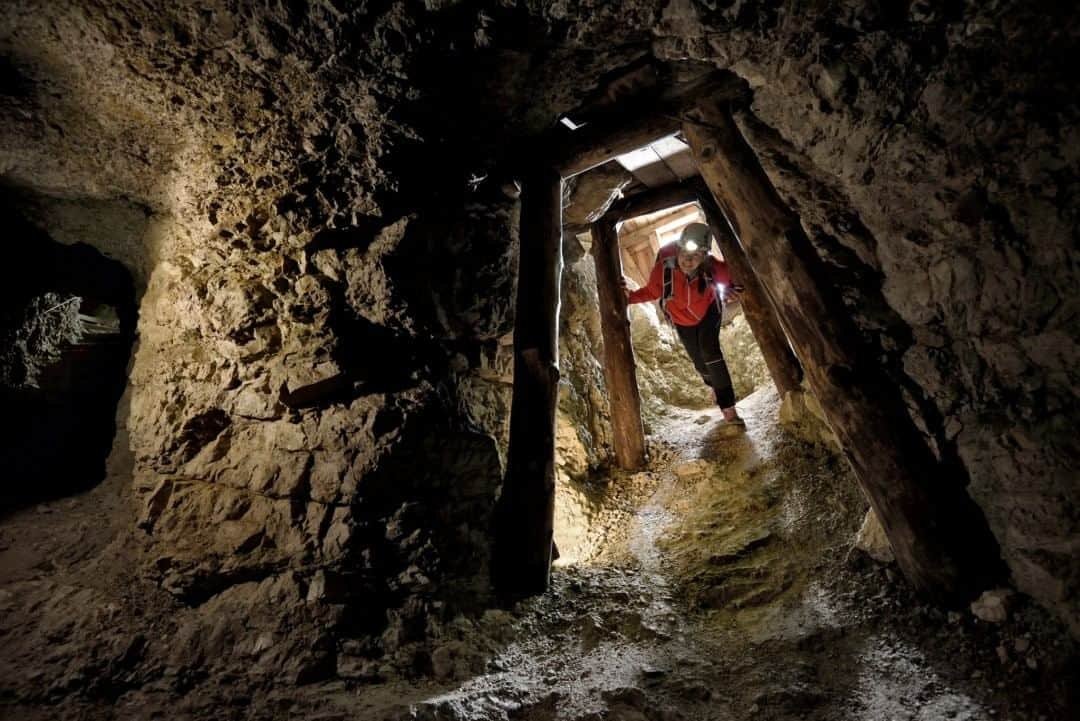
x=731, y=417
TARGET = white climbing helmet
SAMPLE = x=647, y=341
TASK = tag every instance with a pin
x=695, y=236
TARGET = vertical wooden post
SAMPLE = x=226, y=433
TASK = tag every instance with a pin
x=619, y=367
x=526, y=513
x=941, y=541
x=783, y=365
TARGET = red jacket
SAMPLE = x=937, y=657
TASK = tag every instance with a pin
x=688, y=302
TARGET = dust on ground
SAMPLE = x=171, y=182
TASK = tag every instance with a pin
x=732, y=593
x=719, y=584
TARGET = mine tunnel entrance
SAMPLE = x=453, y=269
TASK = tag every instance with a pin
x=67, y=327
x=941, y=541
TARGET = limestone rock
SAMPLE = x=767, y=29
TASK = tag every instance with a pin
x=692, y=468
x=802, y=415
x=872, y=540
x=993, y=605
x=593, y=193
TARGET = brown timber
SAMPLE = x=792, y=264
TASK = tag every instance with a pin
x=599, y=142
x=525, y=517
x=602, y=138
x=783, y=365
x=654, y=200
x=940, y=540
x=619, y=368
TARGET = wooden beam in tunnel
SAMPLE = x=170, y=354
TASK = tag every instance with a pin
x=941, y=541
x=603, y=138
x=654, y=200
x=524, y=524
x=781, y=361
x=597, y=143
x=619, y=367
x=526, y=513
x=650, y=228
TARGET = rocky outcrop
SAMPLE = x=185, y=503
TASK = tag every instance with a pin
x=34, y=337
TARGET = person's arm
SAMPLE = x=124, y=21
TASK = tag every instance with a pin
x=722, y=275
x=651, y=290
x=720, y=272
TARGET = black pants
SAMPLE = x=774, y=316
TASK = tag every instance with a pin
x=702, y=343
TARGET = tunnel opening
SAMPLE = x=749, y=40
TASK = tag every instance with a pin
x=641, y=239
x=798, y=313
x=67, y=328
x=669, y=384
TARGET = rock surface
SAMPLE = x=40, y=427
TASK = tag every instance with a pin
x=993, y=606
x=310, y=198
x=872, y=540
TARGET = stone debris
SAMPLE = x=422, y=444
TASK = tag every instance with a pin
x=872, y=540
x=692, y=468
x=993, y=605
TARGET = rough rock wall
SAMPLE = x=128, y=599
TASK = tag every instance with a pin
x=33, y=336
x=292, y=163
x=311, y=428
x=583, y=438
x=931, y=152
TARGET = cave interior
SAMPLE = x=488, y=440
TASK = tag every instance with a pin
x=324, y=400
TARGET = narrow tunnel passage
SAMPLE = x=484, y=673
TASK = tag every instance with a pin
x=66, y=334
x=356, y=238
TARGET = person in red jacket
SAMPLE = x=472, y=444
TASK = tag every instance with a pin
x=691, y=286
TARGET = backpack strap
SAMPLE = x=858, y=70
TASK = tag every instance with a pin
x=669, y=273
x=716, y=296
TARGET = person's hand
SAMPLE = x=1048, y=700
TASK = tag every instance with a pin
x=731, y=293
x=625, y=288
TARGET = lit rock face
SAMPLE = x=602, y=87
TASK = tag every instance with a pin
x=311, y=428
x=318, y=396
x=932, y=159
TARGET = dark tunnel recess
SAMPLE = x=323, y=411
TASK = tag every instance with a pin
x=67, y=325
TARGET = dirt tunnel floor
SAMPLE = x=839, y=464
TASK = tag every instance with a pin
x=720, y=586
x=730, y=592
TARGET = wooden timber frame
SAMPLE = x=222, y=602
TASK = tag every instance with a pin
x=941, y=541
x=784, y=367
x=524, y=515
x=620, y=375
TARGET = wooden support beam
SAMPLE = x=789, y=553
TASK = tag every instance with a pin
x=757, y=307
x=941, y=541
x=599, y=142
x=650, y=228
x=653, y=200
x=526, y=513
x=619, y=367
x=601, y=139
